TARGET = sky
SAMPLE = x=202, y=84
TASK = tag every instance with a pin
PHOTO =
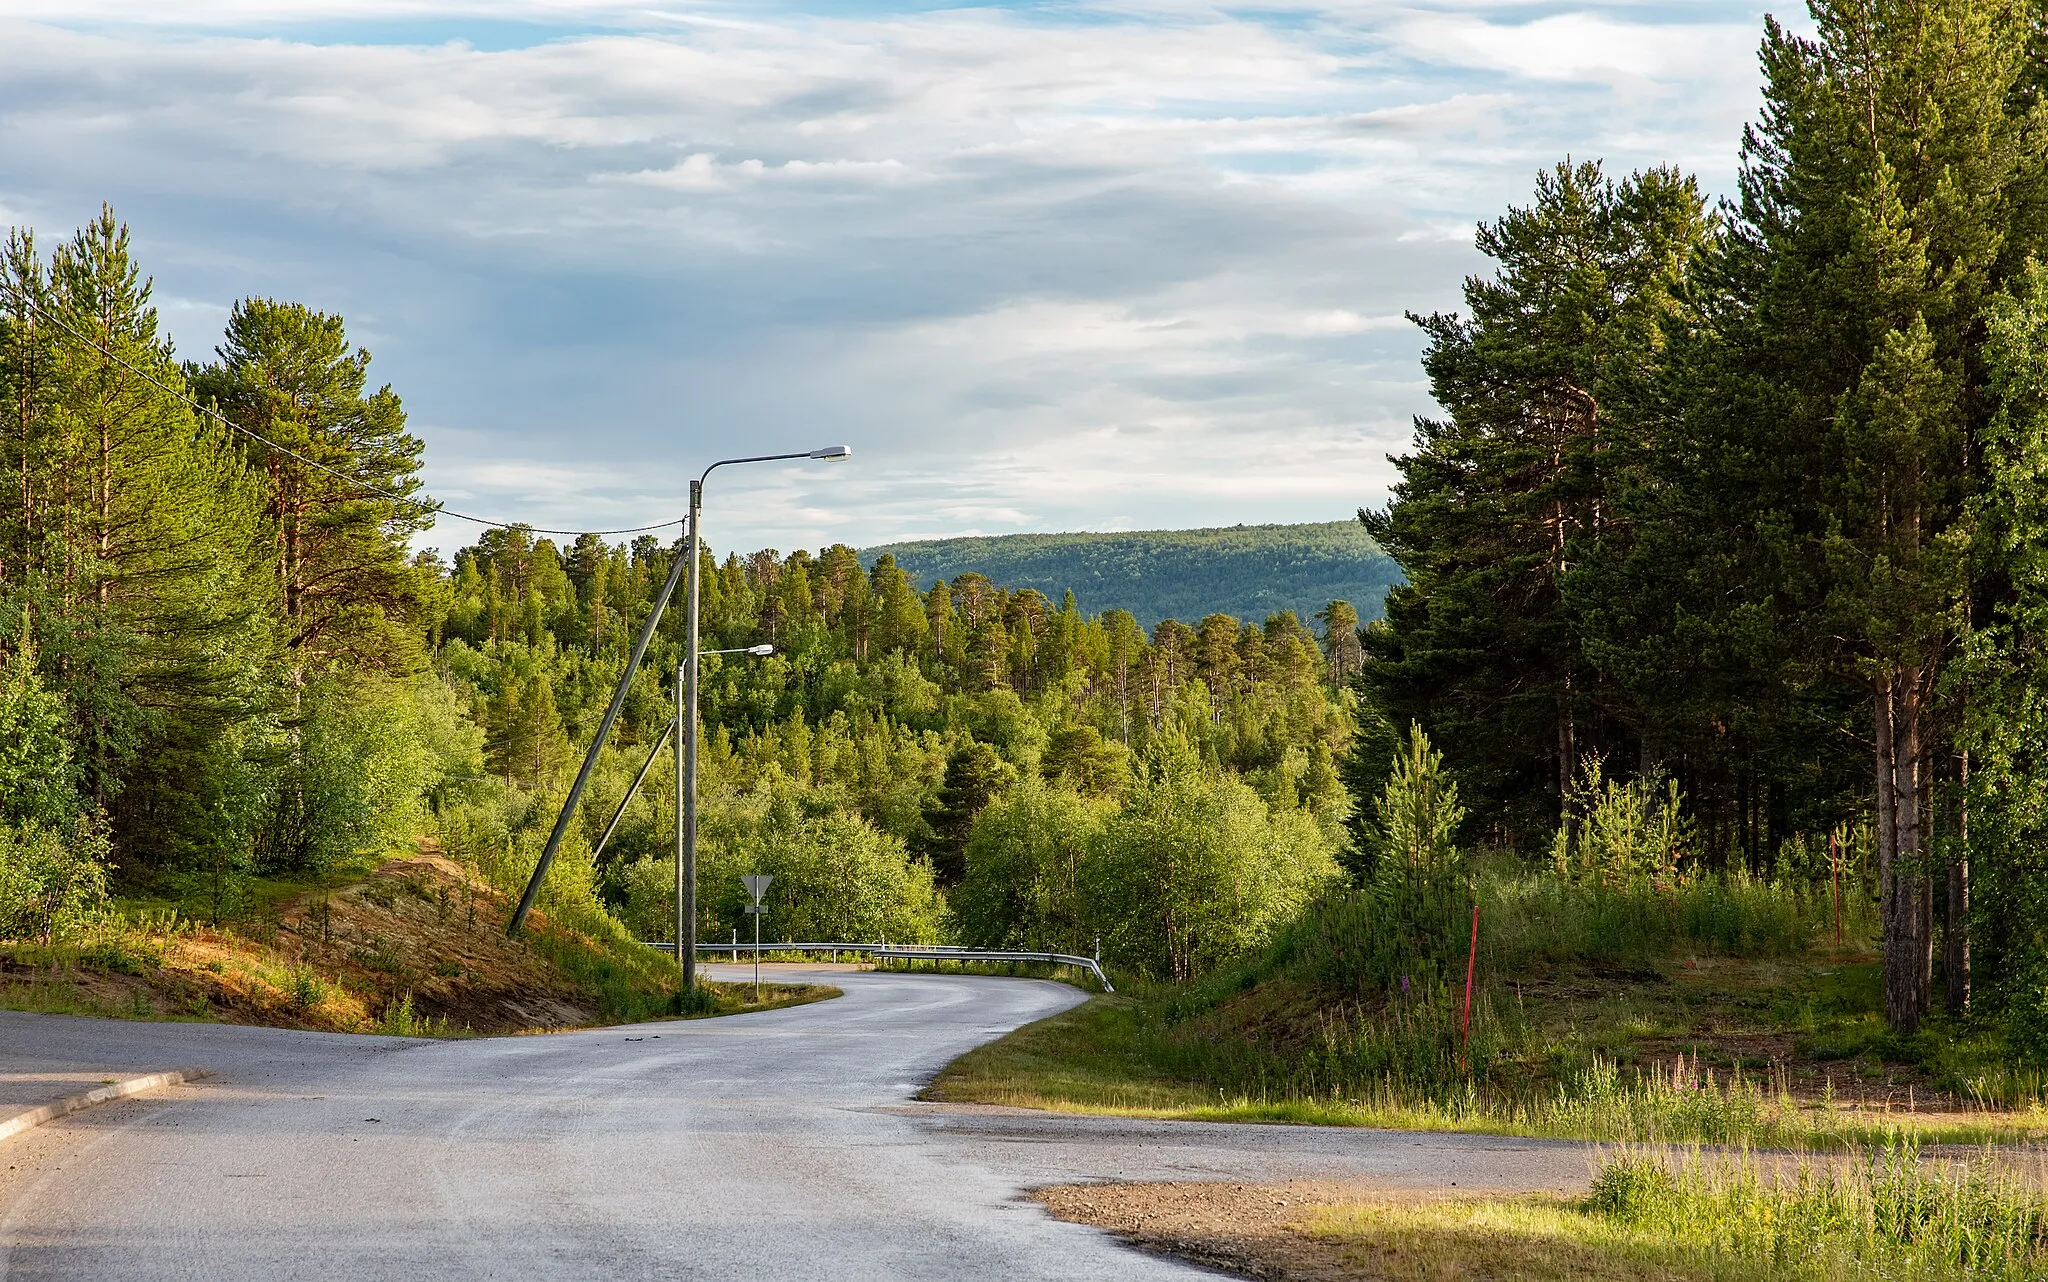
x=1073, y=265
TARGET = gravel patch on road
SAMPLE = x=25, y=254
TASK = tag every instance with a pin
x=1251, y=1230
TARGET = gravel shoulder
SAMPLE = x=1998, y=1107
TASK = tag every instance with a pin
x=1264, y=1231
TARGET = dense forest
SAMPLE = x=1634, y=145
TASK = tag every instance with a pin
x=1249, y=571
x=224, y=664
x=1747, y=499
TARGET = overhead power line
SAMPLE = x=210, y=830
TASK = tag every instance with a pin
x=377, y=491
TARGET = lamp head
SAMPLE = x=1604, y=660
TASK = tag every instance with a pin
x=760, y=651
x=833, y=452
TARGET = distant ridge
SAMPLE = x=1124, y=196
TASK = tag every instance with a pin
x=1249, y=571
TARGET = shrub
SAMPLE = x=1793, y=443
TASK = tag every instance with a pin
x=837, y=876
x=1024, y=860
x=1622, y=834
x=36, y=770
x=51, y=885
x=371, y=751
x=1194, y=872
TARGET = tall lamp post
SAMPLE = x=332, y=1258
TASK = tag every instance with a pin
x=686, y=742
x=686, y=830
x=686, y=717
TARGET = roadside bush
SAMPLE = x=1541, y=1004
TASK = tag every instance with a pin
x=37, y=774
x=371, y=751
x=51, y=885
x=1024, y=859
x=1195, y=872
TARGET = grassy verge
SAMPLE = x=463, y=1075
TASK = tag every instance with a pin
x=1722, y=1010
x=1119, y=1054
x=415, y=947
x=1874, y=1214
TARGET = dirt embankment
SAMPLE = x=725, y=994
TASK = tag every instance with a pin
x=419, y=946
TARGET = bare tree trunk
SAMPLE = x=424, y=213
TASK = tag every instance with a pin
x=1923, y=849
x=1904, y=894
x=1955, y=926
x=103, y=511
x=1566, y=752
x=1887, y=844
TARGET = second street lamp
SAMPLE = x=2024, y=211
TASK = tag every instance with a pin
x=759, y=652
x=686, y=716
x=686, y=677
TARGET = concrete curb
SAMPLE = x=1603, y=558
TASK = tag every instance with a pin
x=15, y=1125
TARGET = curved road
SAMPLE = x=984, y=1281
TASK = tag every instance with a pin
x=780, y=1145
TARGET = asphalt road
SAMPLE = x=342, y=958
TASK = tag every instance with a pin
x=781, y=1146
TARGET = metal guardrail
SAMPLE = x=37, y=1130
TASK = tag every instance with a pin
x=926, y=952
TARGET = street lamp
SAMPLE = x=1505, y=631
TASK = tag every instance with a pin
x=686, y=717
x=686, y=743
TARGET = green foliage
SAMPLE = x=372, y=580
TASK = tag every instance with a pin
x=1415, y=839
x=836, y=876
x=2007, y=717
x=348, y=588
x=36, y=774
x=370, y=751
x=1024, y=864
x=1194, y=870
x=1248, y=571
x=1622, y=833
x=1504, y=503
x=1747, y=506
x=1078, y=757
x=53, y=881
x=974, y=775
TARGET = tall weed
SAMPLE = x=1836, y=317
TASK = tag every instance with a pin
x=1882, y=1212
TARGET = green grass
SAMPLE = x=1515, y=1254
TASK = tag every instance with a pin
x=1878, y=1215
x=1111, y=1055
x=1883, y=1212
x=1717, y=1011
x=1530, y=1240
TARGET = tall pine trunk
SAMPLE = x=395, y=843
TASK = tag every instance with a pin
x=1905, y=898
x=1955, y=926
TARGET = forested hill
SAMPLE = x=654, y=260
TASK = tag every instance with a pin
x=1249, y=571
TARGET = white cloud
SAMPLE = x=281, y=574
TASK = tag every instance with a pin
x=1106, y=263
x=1585, y=46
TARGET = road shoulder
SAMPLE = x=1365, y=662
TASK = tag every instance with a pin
x=22, y=1120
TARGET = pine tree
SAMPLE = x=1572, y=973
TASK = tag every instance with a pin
x=1340, y=640
x=1501, y=502
x=1886, y=194
x=974, y=775
x=348, y=589
x=1417, y=817
x=135, y=545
